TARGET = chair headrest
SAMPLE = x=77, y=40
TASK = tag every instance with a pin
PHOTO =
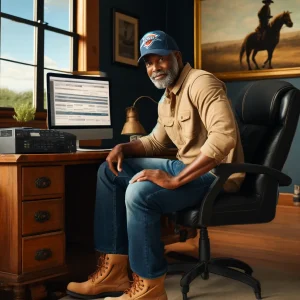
x=259, y=103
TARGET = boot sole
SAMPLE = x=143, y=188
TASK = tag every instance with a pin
x=101, y=295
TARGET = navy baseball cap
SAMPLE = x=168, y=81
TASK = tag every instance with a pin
x=157, y=42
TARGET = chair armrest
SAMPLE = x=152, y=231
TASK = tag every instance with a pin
x=229, y=169
x=222, y=172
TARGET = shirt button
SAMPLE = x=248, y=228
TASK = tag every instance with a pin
x=216, y=156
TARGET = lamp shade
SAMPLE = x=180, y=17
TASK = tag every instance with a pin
x=132, y=125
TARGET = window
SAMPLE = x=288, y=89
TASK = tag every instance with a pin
x=36, y=37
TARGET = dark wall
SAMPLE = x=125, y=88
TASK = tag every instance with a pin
x=180, y=25
x=128, y=83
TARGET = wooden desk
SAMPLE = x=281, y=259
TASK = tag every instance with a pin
x=34, y=192
x=46, y=215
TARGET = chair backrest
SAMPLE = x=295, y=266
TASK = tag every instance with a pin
x=267, y=115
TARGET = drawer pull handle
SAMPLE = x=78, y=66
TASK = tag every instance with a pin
x=43, y=254
x=42, y=182
x=42, y=216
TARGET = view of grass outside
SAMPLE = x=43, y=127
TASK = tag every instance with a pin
x=10, y=98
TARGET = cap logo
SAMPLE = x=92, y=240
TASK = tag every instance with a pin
x=149, y=39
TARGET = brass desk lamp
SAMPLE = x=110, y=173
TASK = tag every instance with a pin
x=132, y=126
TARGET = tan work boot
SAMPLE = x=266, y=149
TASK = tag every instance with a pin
x=144, y=289
x=110, y=279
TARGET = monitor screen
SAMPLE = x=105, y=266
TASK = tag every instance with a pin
x=80, y=105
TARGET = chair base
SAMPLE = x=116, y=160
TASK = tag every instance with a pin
x=227, y=267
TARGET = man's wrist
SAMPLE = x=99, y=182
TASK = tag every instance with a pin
x=119, y=147
x=176, y=182
x=125, y=148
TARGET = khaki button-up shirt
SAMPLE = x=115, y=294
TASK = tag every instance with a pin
x=196, y=116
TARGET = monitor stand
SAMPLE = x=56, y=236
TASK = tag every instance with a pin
x=90, y=149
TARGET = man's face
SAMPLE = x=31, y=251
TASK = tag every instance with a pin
x=162, y=70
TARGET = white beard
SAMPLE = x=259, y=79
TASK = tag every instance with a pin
x=172, y=74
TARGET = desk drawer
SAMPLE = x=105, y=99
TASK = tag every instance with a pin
x=38, y=181
x=43, y=252
x=42, y=216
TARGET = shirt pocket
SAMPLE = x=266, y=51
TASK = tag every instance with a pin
x=168, y=124
x=186, y=123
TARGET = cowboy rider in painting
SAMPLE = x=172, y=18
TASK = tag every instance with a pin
x=264, y=15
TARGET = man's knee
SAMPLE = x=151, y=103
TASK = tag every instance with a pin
x=135, y=195
x=142, y=196
x=103, y=170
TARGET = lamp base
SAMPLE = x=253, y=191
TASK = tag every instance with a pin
x=134, y=137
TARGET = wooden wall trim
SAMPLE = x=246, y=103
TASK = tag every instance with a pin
x=285, y=199
x=88, y=30
x=7, y=120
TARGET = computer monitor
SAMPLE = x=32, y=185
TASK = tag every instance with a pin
x=80, y=105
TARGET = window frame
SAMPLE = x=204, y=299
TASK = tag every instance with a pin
x=41, y=27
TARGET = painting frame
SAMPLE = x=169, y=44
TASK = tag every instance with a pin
x=235, y=75
x=125, y=48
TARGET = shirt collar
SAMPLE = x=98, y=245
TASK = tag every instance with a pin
x=181, y=79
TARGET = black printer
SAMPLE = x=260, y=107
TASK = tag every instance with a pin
x=21, y=140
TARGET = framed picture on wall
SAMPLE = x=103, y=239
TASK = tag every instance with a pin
x=244, y=40
x=125, y=38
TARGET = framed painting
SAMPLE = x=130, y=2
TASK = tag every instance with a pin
x=245, y=40
x=125, y=38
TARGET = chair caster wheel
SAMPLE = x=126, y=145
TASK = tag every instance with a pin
x=205, y=275
x=184, y=297
x=258, y=296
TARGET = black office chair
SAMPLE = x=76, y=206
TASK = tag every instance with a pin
x=267, y=114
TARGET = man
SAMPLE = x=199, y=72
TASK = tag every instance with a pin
x=193, y=113
x=264, y=15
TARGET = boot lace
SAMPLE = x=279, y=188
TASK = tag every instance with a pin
x=136, y=286
x=102, y=265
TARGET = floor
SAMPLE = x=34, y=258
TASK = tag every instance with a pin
x=271, y=249
x=275, y=286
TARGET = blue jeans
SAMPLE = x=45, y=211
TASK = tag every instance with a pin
x=127, y=216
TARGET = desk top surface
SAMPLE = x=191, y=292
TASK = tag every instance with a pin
x=53, y=157
x=67, y=158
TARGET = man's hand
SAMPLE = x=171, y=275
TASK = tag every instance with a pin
x=159, y=177
x=115, y=156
